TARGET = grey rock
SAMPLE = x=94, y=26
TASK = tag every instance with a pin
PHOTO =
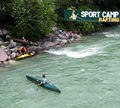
x=71, y=40
x=64, y=41
x=62, y=37
x=1, y=42
x=13, y=55
x=81, y=34
x=75, y=35
x=3, y=47
x=58, y=46
x=9, y=58
x=51, y=37
x=12, y=44
x=48, y=44
x=8, y=53
x=59, y=40
x=37, y=49
x=14, y=49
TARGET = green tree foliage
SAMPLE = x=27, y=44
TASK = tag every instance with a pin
x=5, y=17
x=86, y=27
x=33, y=18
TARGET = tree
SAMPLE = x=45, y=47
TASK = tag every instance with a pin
x=33, y=18
x=5, y=18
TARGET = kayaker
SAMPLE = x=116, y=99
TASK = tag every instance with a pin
x=43, y=81
x=22, y=50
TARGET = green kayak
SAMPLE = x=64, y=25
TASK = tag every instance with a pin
x=46, y=85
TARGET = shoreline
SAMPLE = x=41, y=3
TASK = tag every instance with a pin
x=54, y=40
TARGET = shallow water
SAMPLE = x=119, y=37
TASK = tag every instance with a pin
x=86, y=71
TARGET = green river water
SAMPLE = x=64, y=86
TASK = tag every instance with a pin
x=87, y=72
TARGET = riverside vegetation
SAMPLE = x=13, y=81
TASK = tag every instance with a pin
x=34, y=19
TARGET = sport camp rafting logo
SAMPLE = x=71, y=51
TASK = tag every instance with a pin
x=92, y=16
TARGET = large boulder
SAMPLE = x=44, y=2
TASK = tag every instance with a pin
x=58, y=46
x=57, y=41
x=1, y=42
x=77, y=36
x=12, y=44
x=8, y=51
x=64, y=41
x=71, y=40
x=48, y=45
x=80, y=34
x=62, y=37
x=51, y=37
x=14, y=49
x=13, y=55
x=37, y=49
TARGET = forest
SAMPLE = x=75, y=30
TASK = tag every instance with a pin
x=35, y=18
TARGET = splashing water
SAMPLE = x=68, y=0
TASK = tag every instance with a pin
x=76, y=54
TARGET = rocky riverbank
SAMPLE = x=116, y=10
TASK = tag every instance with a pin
x=54, y=40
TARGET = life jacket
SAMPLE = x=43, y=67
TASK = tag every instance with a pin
x=20, y=49
x=25, y=50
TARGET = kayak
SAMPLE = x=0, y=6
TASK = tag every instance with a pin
x=46, y=85
x=24, y=56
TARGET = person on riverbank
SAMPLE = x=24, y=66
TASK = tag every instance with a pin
x=70, y=34
x=0, y=32
x=23, y=38
x=4, y=31
x=43, y=81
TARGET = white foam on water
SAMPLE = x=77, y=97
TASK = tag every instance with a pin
x=75, y=54
x=108, y=34
x=82, y=70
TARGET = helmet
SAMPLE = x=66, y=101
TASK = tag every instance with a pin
x=43, y=76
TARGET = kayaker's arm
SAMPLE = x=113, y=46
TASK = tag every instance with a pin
x=40, y=83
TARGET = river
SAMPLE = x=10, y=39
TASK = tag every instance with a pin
x=87, y=72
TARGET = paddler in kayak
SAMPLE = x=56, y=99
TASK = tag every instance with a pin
x=43, y=81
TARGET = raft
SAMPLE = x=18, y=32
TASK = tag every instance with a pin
x=46, y=85
x=24, y=56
